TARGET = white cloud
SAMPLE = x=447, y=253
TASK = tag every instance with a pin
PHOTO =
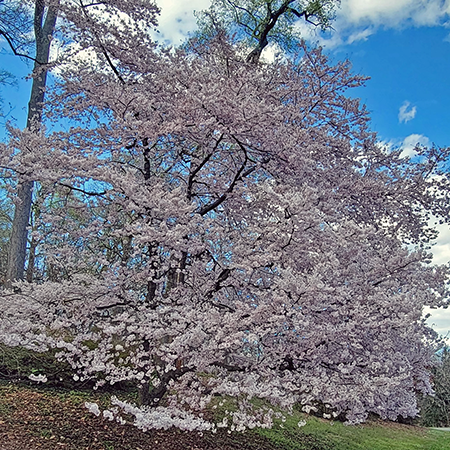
x=441, y=250
x=440, y=318
x=439, y=321
x=313, y=34
x=406, y=112
x=410, y=142
x=358, y=19
x=389, y=13
x=177, y=19
x=375, y=11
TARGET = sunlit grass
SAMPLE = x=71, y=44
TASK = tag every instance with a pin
x=319, y=434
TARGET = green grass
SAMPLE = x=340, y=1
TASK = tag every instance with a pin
x=319, y=434
x=17, y=363
x=64, y=410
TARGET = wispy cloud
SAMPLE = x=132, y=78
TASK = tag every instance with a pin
x=395, y=13
x=361, y=35
x=406, y=112
x=177, y=19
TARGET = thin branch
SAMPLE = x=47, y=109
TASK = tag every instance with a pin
x=199, y=167
x=239, y=176
x=103, y=49
x=14, y=50
x=98, y=194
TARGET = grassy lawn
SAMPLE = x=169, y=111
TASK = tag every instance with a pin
x=379, y=435
x=44, y=418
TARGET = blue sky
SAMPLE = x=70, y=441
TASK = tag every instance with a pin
x=408, y=68
x=403, y=45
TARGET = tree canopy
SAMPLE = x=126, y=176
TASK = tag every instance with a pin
x=261, y=21
x=216, y=226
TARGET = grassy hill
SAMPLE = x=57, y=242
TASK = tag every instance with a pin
x=46, y=419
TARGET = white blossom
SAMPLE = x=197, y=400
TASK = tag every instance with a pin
x=93, y=408
x=38, y=378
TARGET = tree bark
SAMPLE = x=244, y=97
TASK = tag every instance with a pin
x=271, y=20
x=43, y=30
x=31, y=260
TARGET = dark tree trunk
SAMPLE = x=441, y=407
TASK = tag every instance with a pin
x=31, y=260
x=144, y=388
x=19, y=234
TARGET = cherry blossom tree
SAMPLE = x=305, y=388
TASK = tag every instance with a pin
x=229, y=228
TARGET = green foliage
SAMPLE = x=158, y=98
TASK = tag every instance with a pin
x=435, y=410
x=249, y=20
x=17, y=363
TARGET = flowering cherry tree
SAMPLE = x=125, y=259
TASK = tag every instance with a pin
x=214, y=227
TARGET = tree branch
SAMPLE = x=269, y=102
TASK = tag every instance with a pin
x=9, y=40
x=239, y=175
x=102, y=47
x=98, y=194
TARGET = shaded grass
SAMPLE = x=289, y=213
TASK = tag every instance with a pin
x=17, y=363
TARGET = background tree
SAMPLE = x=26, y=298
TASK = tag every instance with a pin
x=264, y=21
x=435, y=409
x=88, y=27
x=5, y=229
x=44, y=21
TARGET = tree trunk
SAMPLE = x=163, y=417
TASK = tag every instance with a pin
x=19, y=234
x=31, y=260
x=144, y=387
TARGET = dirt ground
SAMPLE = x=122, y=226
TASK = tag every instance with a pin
x=46, y=420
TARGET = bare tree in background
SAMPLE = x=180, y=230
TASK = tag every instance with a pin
x=44, y=21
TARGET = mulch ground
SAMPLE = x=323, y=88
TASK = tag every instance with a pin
x=33, y=419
